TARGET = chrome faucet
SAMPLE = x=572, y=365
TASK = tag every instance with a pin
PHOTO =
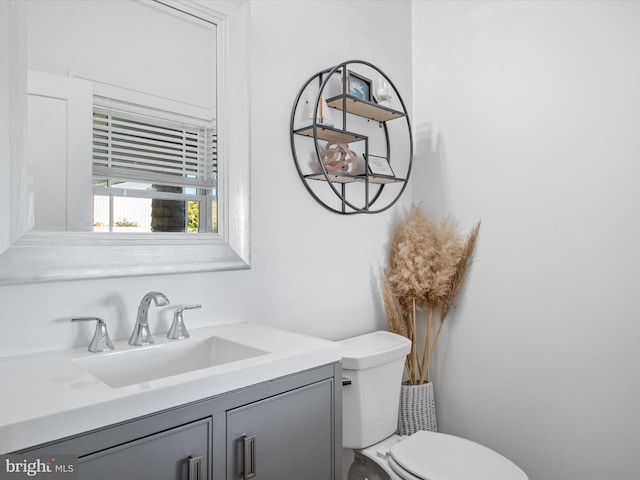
x=178, y=331
x=101, y=342
x=141, y=334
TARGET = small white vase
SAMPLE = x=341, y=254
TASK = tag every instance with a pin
x=417, y=409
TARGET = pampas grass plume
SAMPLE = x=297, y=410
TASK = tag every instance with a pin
x=428, y=262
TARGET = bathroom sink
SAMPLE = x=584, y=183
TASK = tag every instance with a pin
x=77, y=390
x=143, y=364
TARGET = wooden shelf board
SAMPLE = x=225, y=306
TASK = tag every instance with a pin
x=346, y=178
x=372, y=111
x=383, y=179
x=334, y=177
x=330, y=134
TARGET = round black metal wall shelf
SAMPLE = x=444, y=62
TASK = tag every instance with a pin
x=371, y=123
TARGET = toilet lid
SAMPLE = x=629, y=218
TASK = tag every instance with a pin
x=437, y=456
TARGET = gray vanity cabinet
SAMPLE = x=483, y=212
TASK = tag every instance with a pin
x=288, y=436
x=285, y=429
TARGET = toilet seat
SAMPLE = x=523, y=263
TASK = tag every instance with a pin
x=400, y=471
x=438, y=456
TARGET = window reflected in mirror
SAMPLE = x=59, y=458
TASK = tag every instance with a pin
x=152, y=175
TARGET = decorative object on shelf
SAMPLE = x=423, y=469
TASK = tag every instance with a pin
x=383, y=91
x=379, y=166
x=428, y=262
x=353, y=129
x=359, y=86
x=323, y=116
x=417, y=409
x=337, y=158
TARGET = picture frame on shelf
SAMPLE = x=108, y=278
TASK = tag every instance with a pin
x=359, y=87
x=379, y=166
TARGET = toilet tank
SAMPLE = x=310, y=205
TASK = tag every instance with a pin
x=373, y=363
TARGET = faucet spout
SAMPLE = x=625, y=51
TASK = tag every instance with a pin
x=141, y=334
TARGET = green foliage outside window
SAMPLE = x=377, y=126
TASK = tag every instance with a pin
x=194, y=217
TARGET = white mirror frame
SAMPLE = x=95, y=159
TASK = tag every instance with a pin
x=28, y=256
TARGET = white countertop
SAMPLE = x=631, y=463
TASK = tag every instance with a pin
x=48, y=396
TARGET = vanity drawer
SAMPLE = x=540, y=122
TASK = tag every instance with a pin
x=180, y=453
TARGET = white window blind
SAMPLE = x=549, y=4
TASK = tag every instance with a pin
x=132, y=147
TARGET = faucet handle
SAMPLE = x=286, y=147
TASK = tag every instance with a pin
x=100, y=341
x=178, y=330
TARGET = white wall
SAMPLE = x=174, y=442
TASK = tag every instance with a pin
x=537, y=106
x=311, y=269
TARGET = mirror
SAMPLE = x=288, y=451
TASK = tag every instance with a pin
x=193, y=80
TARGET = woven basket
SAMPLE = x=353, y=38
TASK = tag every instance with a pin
x=417, y=409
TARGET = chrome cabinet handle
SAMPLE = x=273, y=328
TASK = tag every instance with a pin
x=195, y=468
x=249, y=454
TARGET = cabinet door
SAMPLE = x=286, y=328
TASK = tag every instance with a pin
x=284, y=437
x=181, y=453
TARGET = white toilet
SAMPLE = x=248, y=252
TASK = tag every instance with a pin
x=372, y=368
